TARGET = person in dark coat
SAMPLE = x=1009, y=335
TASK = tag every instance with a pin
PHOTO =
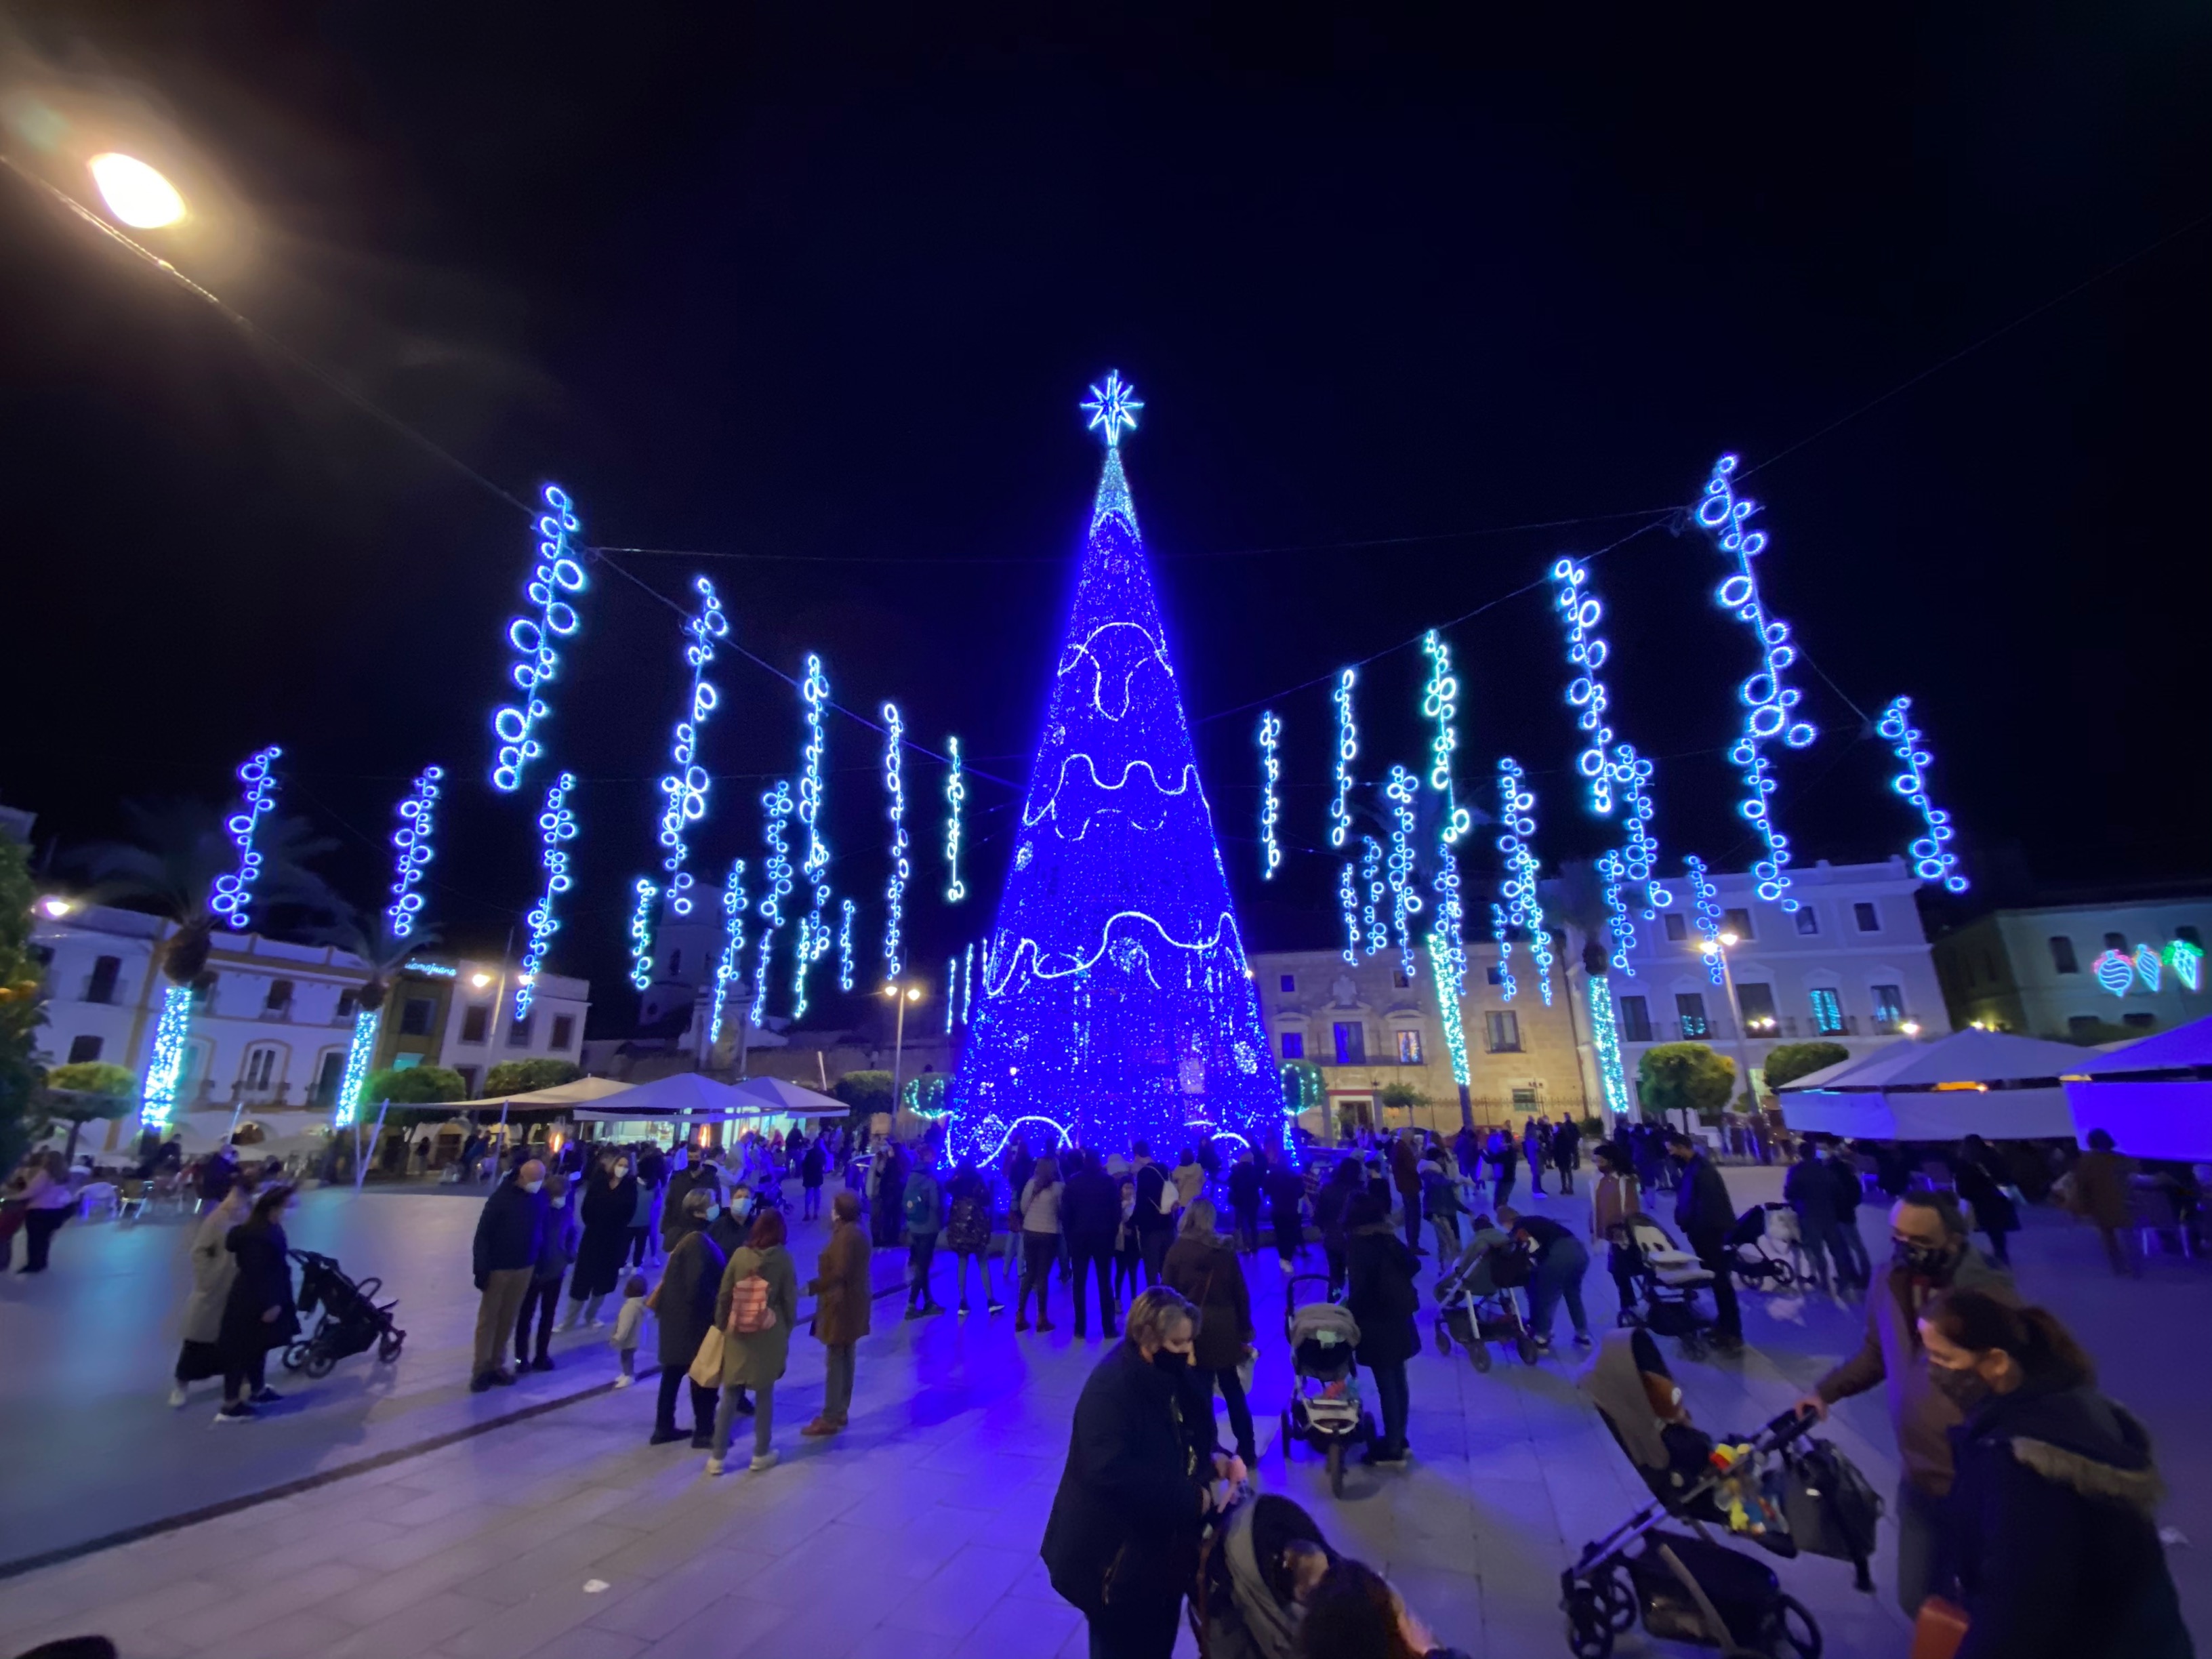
x=812, y=1165
x=510, y=1233
x=843, y=1303
x=684, y=1307
x=259, y=1313
x=1155, y=1216
x=1850, y=1243
x=1286, y=1197
x=1505, y=1161
x=1345, y=1183
x=610, y=1200
x=2052, y=1518
x=1560, y=1261
x=1405, y=1177
x=1247, y=1181
x=1706, y=1215
x=1566, y=1149
x=1203, y=1268
x=555, y=1250
x=1089, y=1218
x=1810, y=1190
x=1974, y=1173
x=1379, y=1272
x=1121, y=1544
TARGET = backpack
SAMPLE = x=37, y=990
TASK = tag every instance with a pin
x=969, y=1232
x=921, y=1205
x=750, y=1314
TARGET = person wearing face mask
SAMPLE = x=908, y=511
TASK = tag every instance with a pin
x=2053, y=1513
x=511, y=1230
x=1121, y=1544
x=684, y=1307
x=1929, y=1254
x=610, y=1200
x=556, y=1249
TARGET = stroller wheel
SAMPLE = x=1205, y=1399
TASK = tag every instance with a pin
x=1693, y=1346
x=1589, y=1625
x=388, y=1346
x=1788, y=1631
x=296, y=1355
x=1336, y=1469
x=320, y=1363
x=1481, y=1354
x=1525, y=1345
x=1620, y=1600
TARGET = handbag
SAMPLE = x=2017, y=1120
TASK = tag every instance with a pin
x=706, y=1363
x=1939, y=1629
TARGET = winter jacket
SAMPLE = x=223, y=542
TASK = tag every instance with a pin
x=263, y=1281
x=1151, y=1182
x=1703, y=1209
x=1891, y=1354
x=844, y=1295
x=1128, y=1500
x=1286, y=1193
x=756, y=1358
x=1244, y=1187
x=1405, y=1167
x=1811, y=1191
x=1977, y=1189
x=2100, y=1188
x=1844, y=1176
x=558, y=1248
x=509, y=1230
x=1090, y=1209
x=1379, y=1290
x=968, y=1228
x=1566, y=1146
x=923, y=1205
x=1039, y=1207
x=1206, y=1272
x=811, y=1164
x=2053, y=1521
x=1440, y=1195
x=685, y=1306
x=1613, y=1199
x=606, y=1213
x=214, y=1268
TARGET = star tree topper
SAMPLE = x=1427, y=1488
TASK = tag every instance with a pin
x=1112, y=408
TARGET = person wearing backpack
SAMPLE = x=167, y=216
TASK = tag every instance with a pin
x=924, y=1205
x=1156, y=1211
x=968, y=1233
x=755, y=1309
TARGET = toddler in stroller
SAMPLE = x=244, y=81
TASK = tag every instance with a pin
x=1688, y=1586
x=352, y=1322
x=1261, y=1563
x=1476, y=1303
x=1325, y=1410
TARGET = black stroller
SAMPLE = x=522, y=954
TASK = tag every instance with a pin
x=1763, y=1247
x=1475, y=1305
x=351, y=1320
x=1688, y=1586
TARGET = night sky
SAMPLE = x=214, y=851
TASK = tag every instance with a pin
x=823, y=306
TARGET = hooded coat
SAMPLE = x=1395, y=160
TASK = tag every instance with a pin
x=1379, y=1290
x=2054, y=1528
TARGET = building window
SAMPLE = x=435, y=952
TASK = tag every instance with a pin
x=2062, y=959
x=1635, y=1020
x=1350, y=1042
x=260, y=1066
x=1737, y=923
x=1677, y=925
x=1502, y=1032
x=564, y=1030
x=1869, y=918
x=518, y=1030
x=1828, y=1012
x=2083, y=1026
x=2116, y=941
x=2187, y=935
x=468, y=1077
x=279, y=997
x=1495, y=973
x=1409, y=1048
x=1755, y=1003
x=475, y=1021
x=1888, y=1009
x=2139, y=1022
x=204, y=990
x=414, y=1016
x=83, y=1050
x=1690, y=1008
x=1808, y=920
x=101, y=986
x=1524, y=1100
x=1294, y=1045
x=1287, y=982
x=1400, y=978
x=349, y=1003
x=328, y=1078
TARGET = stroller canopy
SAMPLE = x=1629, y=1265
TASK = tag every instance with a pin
x=1615, y=1383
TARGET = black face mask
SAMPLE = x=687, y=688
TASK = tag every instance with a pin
x=1929, y=1261
x=1172, y=1363
x=1966, y=1389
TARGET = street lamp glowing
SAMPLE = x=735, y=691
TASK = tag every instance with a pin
x=1727, y=939
x=479, y=980
x=914, y=996
x=56, y=906
x=136, y=193
x=1912, y=1027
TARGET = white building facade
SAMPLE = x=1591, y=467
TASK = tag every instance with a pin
x=2079, y=970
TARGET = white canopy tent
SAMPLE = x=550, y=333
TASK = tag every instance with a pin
x=681, y=1098
x=1983, y=1083
x=775, y=1097
x=2153, y=1098
x=581, y=1091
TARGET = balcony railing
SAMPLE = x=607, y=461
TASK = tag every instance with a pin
x=1719, y=1027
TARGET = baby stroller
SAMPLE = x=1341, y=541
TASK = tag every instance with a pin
x=1325, y=1410
x=1476, y=1303
x=1686, y=1585
x=351, y=1323
x=1257, y=1557
x=1669, y=1278
x=1764, y=1246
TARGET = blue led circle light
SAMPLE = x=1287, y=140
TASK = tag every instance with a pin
x=1271, y=773
x=1769, y=703
x=1403, y=788
x=683, y=788
x=557, y=575
x=955, y=792
x=1440, y=703
x=1523, y=910
x=1586, y=694
x=1932, y=860
x=776, y=809
x=640, y=935
x=557, y=828
x=1708, y=915
x=895, y=888
x=233, y=898
x=412, y=839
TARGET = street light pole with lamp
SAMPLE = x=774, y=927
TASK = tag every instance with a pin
x=1716, y=950
x=902, y=995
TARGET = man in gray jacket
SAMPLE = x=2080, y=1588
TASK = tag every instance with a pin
x=1929, y=1253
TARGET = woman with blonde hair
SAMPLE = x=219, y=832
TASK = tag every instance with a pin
x=1038, y=1207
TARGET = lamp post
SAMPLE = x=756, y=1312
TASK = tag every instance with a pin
x=902, y=995
x=1716, y=949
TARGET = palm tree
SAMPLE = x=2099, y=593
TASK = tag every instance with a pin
x=384, y=953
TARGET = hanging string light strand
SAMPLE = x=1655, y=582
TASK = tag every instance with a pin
x=956, y=791
x=1271, y=773
x=727, y=971
x=557, y=575
x=684, y=787
x=232, y=899
x=413, y=838
x=895, y=888
x=1440, y=702
x=557, y=828
x=1932, y=860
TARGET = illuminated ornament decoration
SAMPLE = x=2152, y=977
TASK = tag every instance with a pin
x=1586, y=693
x=557, y=573
x=1370, y=911
x=1708, y=915
x=967, y=986
x=1112, y=408
x=1639, y=852
x=1605, y=1043
x=1302, y=1088
x=233, y=898
x=776, y=881
x=1770, y=705
x=1404, y=898
x=895, y=889
x=1613, y=871
x=2115, y=971
x=640, y=935
x=1516, y=843
x=951, y=993
x=2187, y=962
x=1931, y=860
x=354, y=1077
x=2147, y=966
x=727, y=971
x=1347, y=751
x=164, y=1071
x=1440, y=702
x=557, y=828
x=814, y=863
x=845, y=948
x=1271, y=772
x=413, y=838
x=1347, y=900
x=1448, y=956
x=685, y=787
x=956, y=791
x=1116, y=1000
x=1501, y=933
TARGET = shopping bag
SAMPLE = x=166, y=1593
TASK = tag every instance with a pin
x=706, y=1363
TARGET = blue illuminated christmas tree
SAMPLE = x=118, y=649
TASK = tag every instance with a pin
x=1116, y=999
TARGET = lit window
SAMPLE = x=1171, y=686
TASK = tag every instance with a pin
x=1808, y=921
x=1294, y=1045
x=1502, y=1034
x=1409, y=1048
x=1524, y=1100
x=2062, y=959
x=1869, y=918
x=1690, y=1008
x=1888, y=1009
x=1351, y=1044
x=1828, y=1012
x=1677, y=925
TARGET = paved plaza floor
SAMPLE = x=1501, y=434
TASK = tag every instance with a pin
x=914, y=1535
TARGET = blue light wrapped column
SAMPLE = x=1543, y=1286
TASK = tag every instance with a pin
x=165, y=1069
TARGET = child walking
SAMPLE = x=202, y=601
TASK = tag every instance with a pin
x=629, y=1325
